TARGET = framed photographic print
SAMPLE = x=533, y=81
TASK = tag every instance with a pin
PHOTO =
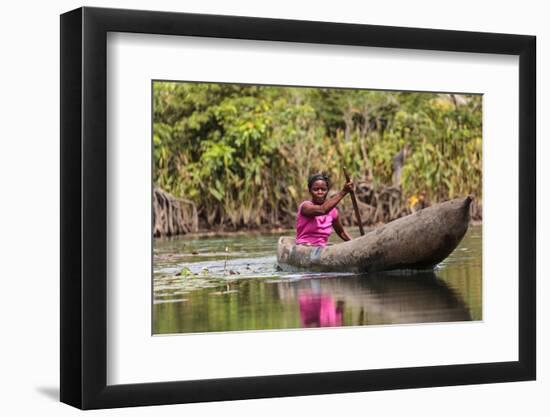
x=258, y=207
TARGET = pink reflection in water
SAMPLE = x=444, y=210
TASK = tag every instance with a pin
x=319, y=310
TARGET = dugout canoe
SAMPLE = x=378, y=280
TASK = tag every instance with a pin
x=418, y=241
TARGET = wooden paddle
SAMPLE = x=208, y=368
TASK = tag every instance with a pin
x=355, y=206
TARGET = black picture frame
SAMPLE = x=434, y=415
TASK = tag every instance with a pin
x=84, y=207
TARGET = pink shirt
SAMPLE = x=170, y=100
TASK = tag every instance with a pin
x=314, y=230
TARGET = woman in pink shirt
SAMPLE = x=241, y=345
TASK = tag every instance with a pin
x=317, y=217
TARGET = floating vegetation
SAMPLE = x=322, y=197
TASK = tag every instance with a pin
x=185, y=272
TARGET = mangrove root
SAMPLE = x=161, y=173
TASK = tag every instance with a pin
x=172, y=216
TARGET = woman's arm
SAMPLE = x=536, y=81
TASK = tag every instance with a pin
x=339, y=229
x=311, y=210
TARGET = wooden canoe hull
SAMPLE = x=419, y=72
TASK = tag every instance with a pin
x=417, y=241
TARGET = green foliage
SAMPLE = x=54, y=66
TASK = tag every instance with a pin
x=243, y=153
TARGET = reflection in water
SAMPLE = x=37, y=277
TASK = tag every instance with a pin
x=192, y=294
x=391, y=298
x=318, y=309
x=379, y=298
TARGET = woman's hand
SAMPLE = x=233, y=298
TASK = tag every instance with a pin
x=348, y=187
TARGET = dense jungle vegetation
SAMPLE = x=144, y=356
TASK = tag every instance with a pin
x=241, y=155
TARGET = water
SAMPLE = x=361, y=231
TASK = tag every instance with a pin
x=231, y=283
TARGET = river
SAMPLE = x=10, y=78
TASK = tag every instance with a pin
x=219, y=284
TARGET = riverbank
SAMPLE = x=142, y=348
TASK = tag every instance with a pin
x=271, y=231
x=176, y=216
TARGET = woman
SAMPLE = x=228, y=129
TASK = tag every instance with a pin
x=317, y=217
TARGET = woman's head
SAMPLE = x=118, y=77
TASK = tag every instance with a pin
x=318, y=186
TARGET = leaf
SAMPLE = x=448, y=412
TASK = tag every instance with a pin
x=292, y=192
x=217, y=195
